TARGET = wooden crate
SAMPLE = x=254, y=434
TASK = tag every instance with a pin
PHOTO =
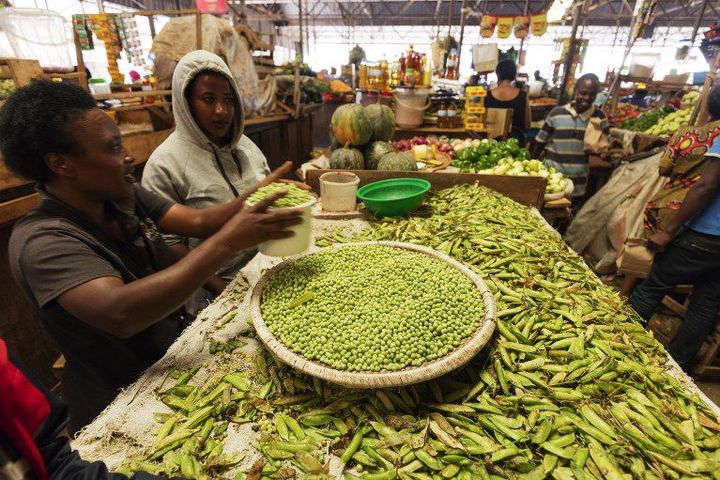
x=524, y=190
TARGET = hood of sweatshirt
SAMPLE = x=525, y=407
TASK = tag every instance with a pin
x=188, y=67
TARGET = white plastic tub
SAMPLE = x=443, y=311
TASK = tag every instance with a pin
x=338, y=191
x=299, y=242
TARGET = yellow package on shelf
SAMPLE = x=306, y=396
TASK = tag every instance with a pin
x=475, y=99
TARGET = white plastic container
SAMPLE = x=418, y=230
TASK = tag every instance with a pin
x=411, y=104
x=37, y=34
x=299, y=242
x=338, y=191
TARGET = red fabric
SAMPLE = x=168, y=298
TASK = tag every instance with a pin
x=23, y=408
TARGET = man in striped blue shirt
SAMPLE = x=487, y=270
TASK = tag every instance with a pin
x=563, y=133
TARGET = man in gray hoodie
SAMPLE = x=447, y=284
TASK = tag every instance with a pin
x=207, y=160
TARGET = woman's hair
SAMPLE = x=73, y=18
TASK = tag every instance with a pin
x=36, y=121
x=506, y=70
x=713, y=104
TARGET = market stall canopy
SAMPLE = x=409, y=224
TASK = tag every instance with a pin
x=412, y=12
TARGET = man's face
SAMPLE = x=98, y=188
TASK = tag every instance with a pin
x=585, y=94
x=212, y=104
x=100, y=164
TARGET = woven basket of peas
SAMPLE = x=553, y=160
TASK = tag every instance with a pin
x=373, y=314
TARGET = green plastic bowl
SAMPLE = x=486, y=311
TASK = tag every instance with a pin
x=394, y=197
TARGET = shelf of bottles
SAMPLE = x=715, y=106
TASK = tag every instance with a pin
x=412, y=70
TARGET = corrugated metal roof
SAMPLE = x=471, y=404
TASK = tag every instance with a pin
x=156, y=4
x=431, y=12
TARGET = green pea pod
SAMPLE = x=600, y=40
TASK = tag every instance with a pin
x=186, y=376
x=354, y=444
x=316, y=420
x=543, y=432
x=239, y=380
x=555, y=450
x=281, y=427
x=189, y=467
x=278, y=454
x=504, y=453
x=307, y=462
x=450, y=470
x=430, y=462
x=294, y=427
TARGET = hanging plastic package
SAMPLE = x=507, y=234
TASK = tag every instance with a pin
x=504, y=27
x=487, y=25
x=521, y=25
x=538, y=24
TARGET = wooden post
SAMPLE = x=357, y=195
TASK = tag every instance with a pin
x=462, y=32
x=151, y=21
x=450, y=15
x=700, y=114
x=101, y=6
x=698, y=22
x=522, y=40
x=82, y=76
x=571, y=50
x=300, y=26
x=198, y=31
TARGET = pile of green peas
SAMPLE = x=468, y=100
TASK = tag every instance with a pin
x=371, y=308
x=295, y=196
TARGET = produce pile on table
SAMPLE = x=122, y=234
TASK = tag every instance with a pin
x=420, y=146
x=493, y=157
x=624, y=112
x=571, y=386
x=361, y=137
x=646, y=120
x=663, y=121
x=362, y=308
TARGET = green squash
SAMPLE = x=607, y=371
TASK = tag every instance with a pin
x=374, y=152
x=347, y=159
x=400, y=161
x=351, y=125
x=382, y=119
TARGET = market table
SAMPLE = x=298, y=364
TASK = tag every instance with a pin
x=127, y=425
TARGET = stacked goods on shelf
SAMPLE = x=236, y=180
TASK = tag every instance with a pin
x=357, y=129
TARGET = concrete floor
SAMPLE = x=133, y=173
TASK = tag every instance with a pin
x=711, y=389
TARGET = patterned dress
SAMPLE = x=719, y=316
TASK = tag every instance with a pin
x=686, y=155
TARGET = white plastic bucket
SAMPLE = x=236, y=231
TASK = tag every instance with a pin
x=410, y=107
x=299, y=242
x=338, y=191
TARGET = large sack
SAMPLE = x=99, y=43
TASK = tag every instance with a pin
x=178, y=38
x=615, y=213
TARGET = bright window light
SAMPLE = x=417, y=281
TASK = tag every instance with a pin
x=558, y=9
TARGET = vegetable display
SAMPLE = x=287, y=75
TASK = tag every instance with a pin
x=474, y=155
x=671, y=123
x=347, y=158
x=529, y=168
x=375, y=151
x=646, y=120
x=571, y=387
x=382, y=119
x=438, y=144
x=351, y=125
x=363, y=308
x=295, y=196
x=397, y=161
